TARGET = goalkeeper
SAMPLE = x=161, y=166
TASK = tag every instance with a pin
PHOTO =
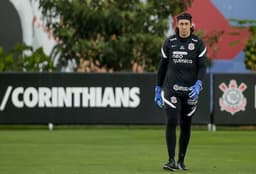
x=179, y=82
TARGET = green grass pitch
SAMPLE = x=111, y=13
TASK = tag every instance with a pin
x=122, y=150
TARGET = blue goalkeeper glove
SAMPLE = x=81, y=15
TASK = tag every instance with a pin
x=195, y=90
x=158, y=99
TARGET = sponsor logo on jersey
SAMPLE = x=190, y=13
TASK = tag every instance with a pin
x=232, y=100
x=173, y=39
x=179, y=54
x=195, y=40
x=182, y=47
x=178, y=57
x=180, y=88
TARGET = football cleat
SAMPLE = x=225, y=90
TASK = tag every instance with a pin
x=181, y=166
x=171, y=165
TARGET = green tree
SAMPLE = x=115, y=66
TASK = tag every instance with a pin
x=112, y=34
x=24, y=59
x=6, y=61
x=250, y=47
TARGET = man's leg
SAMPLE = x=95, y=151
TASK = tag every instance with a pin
x=172, y=115
x=187, y=111
x=185, y=132
x=170, y=134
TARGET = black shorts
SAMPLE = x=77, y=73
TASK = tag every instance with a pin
x=179, y=101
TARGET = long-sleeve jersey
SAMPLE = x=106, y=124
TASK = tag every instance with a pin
x=183, y=61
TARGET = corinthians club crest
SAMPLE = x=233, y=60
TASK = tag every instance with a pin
x=232, y=99
x=191, y=46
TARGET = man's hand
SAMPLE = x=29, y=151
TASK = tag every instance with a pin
x=158, y=99
x=195, y=90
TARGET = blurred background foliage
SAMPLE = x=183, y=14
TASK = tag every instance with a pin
x=103, y=36
x=110, y=35
x=250, y=47
x=250, y=50
x=24, y=58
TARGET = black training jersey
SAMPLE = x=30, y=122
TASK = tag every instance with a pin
x=183, y=61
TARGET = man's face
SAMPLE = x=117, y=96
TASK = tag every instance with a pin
x=184, y=26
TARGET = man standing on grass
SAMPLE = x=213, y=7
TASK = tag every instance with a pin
x=181, y=72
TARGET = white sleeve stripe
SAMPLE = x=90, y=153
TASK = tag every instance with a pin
x=163, y=54
x=202, y=53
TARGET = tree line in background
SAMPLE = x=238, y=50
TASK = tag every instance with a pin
x=108, y=36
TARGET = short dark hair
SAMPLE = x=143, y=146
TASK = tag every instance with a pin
x=184, y=16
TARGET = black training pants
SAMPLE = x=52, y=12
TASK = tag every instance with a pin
x=182, y=115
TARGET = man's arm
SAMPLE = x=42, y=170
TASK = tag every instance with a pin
x=201, y=65
x=162, y=68
x=202, y=62
x=163, y=65
x=161, y=72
